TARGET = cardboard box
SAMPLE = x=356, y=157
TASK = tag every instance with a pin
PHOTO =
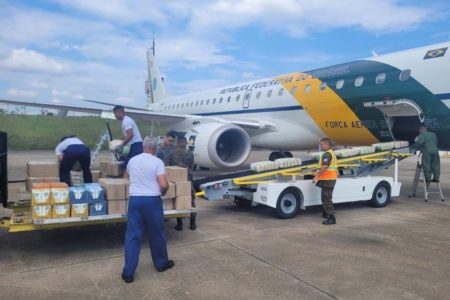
x=104, y=167
x=117, y=207
x=76, y=178
x=115, y=168
x=183, y=202
x=126, y=182
x=95, y=175
x=43, y=168
x=98, y=208
x=79, y=210
x=40, y=185
x=57, y=184
x=115, y=189
x=176, y=174
x=40, y=212
x=171, y=192
x=59, y=196
x=40, y=197
x=168, y=204
x=61, y=211
x=183, y=188
x=95, y=193
x=78, y=194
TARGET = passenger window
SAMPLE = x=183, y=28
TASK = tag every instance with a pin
x=280, y=92
x=323, y=86
x=207, y=102
x=246, y=97
x=307, y=88
x=293, y=89
x=405, y=75
x=237, y=97
x=192, y=104
x=182, y=105
x=201, y=103
x=220, y=100
x=196, y=103
x=340, y=84
x=229, y=99
x=178, y=105
x=359, y=81
x=258, y=95
x=269, y=93
x=380, y=78
x=214, y=101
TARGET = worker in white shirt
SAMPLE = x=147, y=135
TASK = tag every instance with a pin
x=131, y=134
x=148, y=182
x=69, y=151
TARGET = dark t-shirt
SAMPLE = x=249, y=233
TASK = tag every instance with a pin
x=326, y=158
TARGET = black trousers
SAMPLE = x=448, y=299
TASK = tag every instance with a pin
x=72, y=154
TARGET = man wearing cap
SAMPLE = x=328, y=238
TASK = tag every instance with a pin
x=131, y=134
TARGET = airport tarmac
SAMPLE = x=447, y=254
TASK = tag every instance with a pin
x=397, y=252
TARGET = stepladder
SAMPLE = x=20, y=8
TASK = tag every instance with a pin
x=420, y=178
x=106, y=135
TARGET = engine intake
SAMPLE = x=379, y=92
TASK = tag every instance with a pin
x=218, y=145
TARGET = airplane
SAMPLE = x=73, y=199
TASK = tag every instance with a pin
x=375, y=99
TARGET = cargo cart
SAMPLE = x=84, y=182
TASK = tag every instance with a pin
x=287, y=190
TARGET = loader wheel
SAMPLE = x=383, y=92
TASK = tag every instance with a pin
x=288, y=204
x=381, y=195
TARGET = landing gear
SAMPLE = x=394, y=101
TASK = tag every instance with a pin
x=278, y=154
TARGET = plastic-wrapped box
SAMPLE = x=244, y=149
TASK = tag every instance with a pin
x=363, y=150
x=98, y=208
x=78, y=194
x=95, y=192
x=342, y=153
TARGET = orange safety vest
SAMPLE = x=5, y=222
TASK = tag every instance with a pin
x=331, y=172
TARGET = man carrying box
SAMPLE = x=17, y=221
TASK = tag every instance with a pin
x=131, y=134
x=70, y=150
x=148, y=182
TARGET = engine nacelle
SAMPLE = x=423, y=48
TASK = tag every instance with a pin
x=218, y=145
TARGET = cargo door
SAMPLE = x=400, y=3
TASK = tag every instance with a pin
x=402, y=116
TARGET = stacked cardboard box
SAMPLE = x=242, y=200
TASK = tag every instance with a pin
x=50, y=200
x=41, y=171
x=114, y=169
x=179, y=177
x=116, y=192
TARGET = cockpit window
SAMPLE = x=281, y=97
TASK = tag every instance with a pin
x=405, y=75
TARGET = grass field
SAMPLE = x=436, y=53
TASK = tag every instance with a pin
x=44, y=132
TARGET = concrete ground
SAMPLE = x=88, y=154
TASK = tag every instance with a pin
x=401, y=251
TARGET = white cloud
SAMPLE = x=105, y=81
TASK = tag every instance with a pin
x=29, y=60
x=21, y=93
x=35, y=83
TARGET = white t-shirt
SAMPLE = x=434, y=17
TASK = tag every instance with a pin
x=66, y=143
x=144, y=170
x=128, y=123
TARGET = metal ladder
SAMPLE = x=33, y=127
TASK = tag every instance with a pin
x=106, y=135
x=419, y=177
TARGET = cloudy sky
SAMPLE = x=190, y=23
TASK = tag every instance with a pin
x=63, y=51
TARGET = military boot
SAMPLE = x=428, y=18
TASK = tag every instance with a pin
x=193, y=225
x=330, y=220
x=179, y=225
x=324, y=214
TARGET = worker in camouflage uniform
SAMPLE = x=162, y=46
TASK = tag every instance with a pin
x=325, y=178
x=427, y=143
x=183, y=157
x=165, y=149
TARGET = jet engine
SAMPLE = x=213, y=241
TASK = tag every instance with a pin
x=218, y=145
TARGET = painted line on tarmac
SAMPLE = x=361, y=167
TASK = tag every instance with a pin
x=281, y=270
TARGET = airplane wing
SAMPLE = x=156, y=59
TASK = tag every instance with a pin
x=146, y=115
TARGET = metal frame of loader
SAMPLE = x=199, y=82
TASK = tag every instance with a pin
x=243, y=188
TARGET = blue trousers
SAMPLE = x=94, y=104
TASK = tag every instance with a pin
x=135, y=149
x=145, y=214
x=71, y=155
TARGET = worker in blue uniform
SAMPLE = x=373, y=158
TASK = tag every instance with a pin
x=148, y=182
x=69, y=151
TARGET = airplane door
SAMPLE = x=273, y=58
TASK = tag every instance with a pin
x=246, y=99
x=403, y=117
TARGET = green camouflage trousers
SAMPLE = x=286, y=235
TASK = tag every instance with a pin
x=327, y=187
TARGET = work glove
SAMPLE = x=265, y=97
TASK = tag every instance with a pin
x=119, y=149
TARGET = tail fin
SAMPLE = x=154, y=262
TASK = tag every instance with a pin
x=155, y=89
